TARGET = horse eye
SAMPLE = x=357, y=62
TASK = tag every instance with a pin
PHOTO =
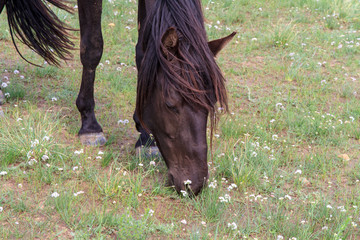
x=171, y=107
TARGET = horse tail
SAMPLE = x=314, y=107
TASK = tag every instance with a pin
x=36, y=25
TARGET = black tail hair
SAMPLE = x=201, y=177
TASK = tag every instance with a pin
x=37, y=26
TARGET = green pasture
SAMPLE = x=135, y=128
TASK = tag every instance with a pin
x=285, y=161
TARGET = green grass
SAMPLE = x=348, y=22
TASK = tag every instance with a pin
x=277, y=167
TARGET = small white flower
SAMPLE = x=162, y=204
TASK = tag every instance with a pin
x=19, y=119
x=32, y=161
x=203, y=223
x=272, y=120
x=187, y=182
x=232, y=186
x=152, y=163
x=55, y=195
x=79, y=152
x=4, y=85
x=45, y=157
x=232, y=225
x=123, y=121
x=140, y=164
x=226, y=198
x=2, y=173
x=275, y=137
x=100, y=153
x=16, y=71
x=340, y=46
x=183, y=221
x=54, y=99
x=75, y=168
x=213, y=184
x=279, y=237
x=34, y=143
x=329, y=206
x=254, y=39
x=20, y=185
x=1, y=209
x=46, y=138
x=298, y=171
x=7, y=95
x=78, y=193
x=98, y=157
x=151, y=212
x=288, y=197
x=325, y=228
x=184, y=193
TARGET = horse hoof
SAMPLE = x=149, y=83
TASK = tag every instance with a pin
x=93, y=139
x=148, y=152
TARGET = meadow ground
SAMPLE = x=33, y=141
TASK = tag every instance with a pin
x=285, y=161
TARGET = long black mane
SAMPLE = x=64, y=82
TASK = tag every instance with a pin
x=195, y=74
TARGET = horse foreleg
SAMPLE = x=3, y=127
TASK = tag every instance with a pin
x=91, y=48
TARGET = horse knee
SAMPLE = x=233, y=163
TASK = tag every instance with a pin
x=91, y=49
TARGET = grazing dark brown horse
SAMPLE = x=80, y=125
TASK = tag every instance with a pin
x=179, y=81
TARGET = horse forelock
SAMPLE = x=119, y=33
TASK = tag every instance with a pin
x=194, y=73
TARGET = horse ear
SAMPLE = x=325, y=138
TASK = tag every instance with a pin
x=218, y=44
x=170, y=41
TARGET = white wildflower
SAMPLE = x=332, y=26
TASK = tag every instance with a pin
x=183, y=221
x=184, y=193
x=151, y=212
x=226, y=198
x=46, y=138
x=55, y=195
x=78, y=193
x=79, y=152
x=232, y=225
x=45, y=157
x=298, y=171
x=187, y=182
x=123, y=121
x=2, y=173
